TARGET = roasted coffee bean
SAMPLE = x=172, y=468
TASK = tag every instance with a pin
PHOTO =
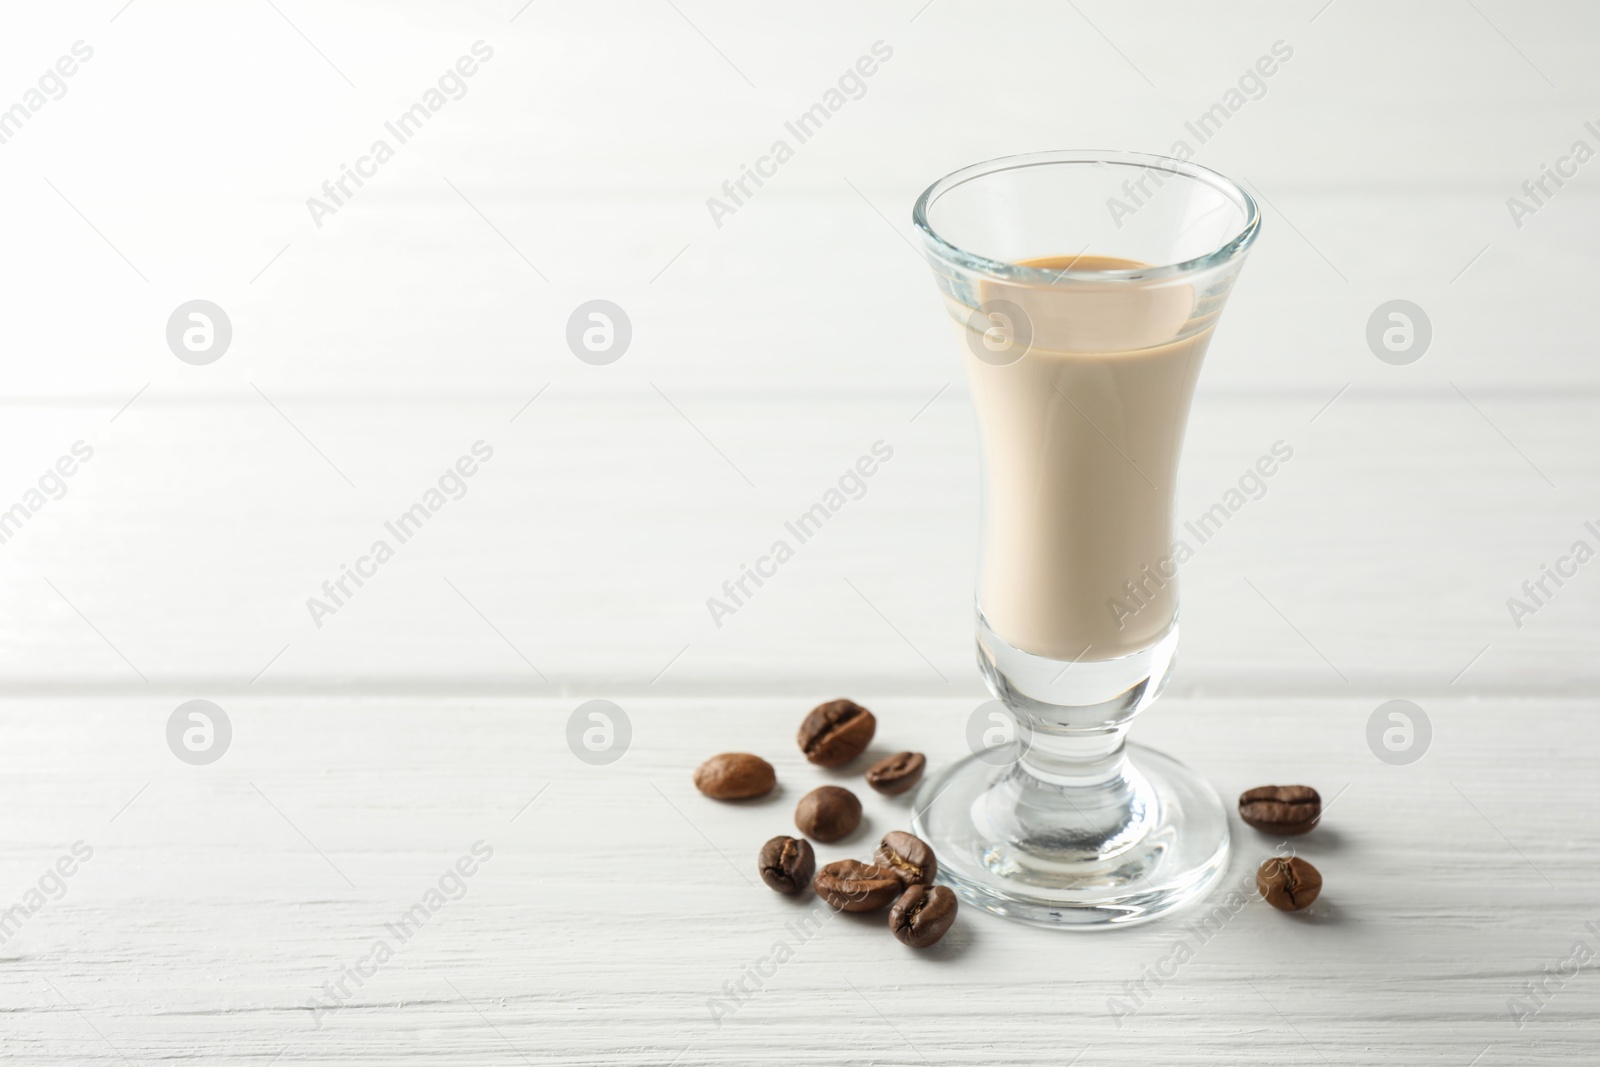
x=1281, y=809
x=735, y=776
x=828, y=813
x=896, y=774
x=851, y=885
x=1288, y=883
x=909, y=857
x=787, y=864
x=922, y=915
x=836, y=733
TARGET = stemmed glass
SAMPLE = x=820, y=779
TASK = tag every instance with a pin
x=1084, y=288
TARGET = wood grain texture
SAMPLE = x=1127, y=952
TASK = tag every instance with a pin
x=616, y=906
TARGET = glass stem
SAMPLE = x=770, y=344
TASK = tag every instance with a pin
x=1078, y=759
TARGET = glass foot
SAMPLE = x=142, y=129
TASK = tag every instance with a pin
x=1061, y=855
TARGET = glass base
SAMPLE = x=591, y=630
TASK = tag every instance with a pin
x=1014, y=845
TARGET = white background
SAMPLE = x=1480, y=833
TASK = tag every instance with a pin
x=767, y=355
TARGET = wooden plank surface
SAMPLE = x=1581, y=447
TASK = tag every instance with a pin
x=614, y=907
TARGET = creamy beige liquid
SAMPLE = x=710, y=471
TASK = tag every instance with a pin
x=1082, y=437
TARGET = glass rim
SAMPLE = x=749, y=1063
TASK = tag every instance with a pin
x=1013, y=272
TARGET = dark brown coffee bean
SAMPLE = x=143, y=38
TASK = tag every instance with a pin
x=896, y=774
x=909, y=857
x=1281, y=809
x=828, y=813
x=836, y=733
x=787, y=864
x=851, y=885
x=735, y=776
x=1288, y=883
x=922, y=915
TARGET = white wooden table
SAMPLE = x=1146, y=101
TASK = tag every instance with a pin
x=220, y=906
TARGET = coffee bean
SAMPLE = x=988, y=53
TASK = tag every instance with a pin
x=1281, y=809
x=1288, y=883
x=828, y=813
x=836, y=733
x=851, y=885
x=909, y=857
x=922, y=915
x=896, y=774
x=735, y=776
x=787, y=863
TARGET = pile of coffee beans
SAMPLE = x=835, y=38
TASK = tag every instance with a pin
x=901, y=873
x=1288, y=883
